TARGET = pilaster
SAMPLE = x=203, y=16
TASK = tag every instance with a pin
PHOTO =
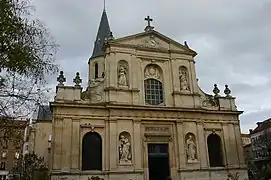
x=66, y=144
x=113, y=144
x=180, y=137
x=57, y=143
x=75, y=148
x=137, y=145
x=202, y=146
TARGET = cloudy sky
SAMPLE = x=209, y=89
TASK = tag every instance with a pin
x=232, y=39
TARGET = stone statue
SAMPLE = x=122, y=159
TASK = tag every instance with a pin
x=183, y=80
x=122, y=77
x=191, y=149
x=124, y=150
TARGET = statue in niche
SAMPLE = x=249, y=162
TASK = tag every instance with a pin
x=183, y=79
x=152, y=72
x=125, y=155
x=4, y=142
x=122, y=76
x=191, y=149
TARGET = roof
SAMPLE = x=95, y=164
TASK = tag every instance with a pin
x=153, y=32
x=102, y=34
x=262, y=126
x=44, y=113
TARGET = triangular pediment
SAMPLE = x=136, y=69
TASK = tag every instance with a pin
x=153, y=40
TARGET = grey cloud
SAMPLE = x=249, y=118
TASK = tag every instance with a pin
x=231, y=37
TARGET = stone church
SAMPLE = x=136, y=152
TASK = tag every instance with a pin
x=143, y=115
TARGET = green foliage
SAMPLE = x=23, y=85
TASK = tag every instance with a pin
x=29, y=167
x=259, y=172
x=26, y=45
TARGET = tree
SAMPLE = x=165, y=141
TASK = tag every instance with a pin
x=20, y=96
x=27, y=47
x=29, y=167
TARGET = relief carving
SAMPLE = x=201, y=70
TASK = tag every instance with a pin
x=152, y=71
x=125, y=154
x=183, y=76
x=123, y=73
x=191, y=148
x=149, y=43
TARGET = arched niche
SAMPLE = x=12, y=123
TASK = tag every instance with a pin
x=125, y=148
x=153, y=85
x=191, y=148
x=184, y=78
x=92, y=151
x=123, y=73
x=215, y=150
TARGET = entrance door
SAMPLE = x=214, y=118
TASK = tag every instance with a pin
x=158, y=161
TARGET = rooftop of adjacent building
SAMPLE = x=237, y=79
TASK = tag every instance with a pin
x=44, y=113
x=261, y=126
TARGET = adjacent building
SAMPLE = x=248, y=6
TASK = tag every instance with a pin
x=261, y=142
x=11, y=146
x=247, y=146
x=143, y=116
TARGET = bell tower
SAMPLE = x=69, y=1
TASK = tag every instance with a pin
x=96, y=61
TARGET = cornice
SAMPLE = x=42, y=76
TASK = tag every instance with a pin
x=107, y=106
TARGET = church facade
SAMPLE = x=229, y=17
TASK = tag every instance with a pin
x=143, y=116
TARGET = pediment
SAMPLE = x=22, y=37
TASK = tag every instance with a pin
x=153, y=40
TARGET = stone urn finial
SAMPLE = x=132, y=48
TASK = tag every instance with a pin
x=227, y=91
x=216, y=91
x=61, y=79
x=77, y=80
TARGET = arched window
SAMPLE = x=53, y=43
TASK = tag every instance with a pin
x=154, y=94
x=215, y=150
x=92, y=151
x=96, y=70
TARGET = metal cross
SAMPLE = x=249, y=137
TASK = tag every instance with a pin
x=149, y=20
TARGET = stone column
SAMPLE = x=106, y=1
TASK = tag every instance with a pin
x=181, y=146
x=202, y=146
x=239, y=145
x=227, y=144
x=66, y=144
x=56, y=141
x=112, y=70
x=75, y=149
x=234, y=158
x=113, y=144
x=137, y=146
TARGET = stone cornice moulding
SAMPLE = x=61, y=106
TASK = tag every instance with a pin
x=150, y=49
x=145, y=107
x=126, y=89
x=184, y=93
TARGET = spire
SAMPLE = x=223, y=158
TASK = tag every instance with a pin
x=103, y=33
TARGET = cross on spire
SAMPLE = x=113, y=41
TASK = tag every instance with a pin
x=149, y=20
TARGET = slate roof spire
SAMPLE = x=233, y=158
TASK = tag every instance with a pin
x=102, y=34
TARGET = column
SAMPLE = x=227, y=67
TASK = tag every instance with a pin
x=66, y=144
x=239, y=145
x=202, y=146
x=137, y=146
x=181, y=146
x=234, y=158
x=75, y=149
x=57, y=146
x=226, y=144
x=113, y=144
